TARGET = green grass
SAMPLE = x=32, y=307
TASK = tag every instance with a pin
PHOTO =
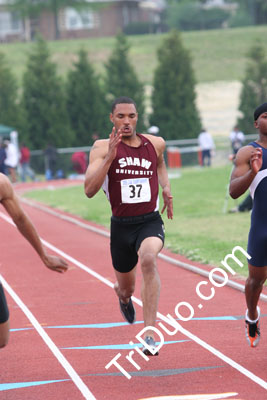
x=216, y=54
x=200, y=230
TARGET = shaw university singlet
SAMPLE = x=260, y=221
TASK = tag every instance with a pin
x=131, y=184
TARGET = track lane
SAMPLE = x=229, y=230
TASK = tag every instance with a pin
x=172, y=292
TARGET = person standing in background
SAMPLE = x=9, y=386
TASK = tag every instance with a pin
x=2, y=157
x=206, y=145
x=51, y=157
x=237, y=139
x=79, y=162
x=25, y=163
x=12, y=160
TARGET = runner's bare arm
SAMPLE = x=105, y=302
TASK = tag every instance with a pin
x=247, y=164
x=160, y=145
x=101, y=157
x=12, y=205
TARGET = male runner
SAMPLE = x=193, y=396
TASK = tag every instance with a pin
x=11, y=203
x=250, y=172
x=130, y=167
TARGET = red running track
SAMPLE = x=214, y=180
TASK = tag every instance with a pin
x=207, y=359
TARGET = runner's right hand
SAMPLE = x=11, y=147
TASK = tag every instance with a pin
x=256, y=160
x=114, y=141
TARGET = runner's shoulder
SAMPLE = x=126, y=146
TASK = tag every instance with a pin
x=100, y=146
x=5, y=187
x=157, y=141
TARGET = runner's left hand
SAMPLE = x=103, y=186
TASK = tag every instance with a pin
x=167, y=198
x=55, y=263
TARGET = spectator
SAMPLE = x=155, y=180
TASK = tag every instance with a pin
x=237, y=139
x=12, y=159
x=25, y=163
x=206, y=145
x=2, y=157
x=79, y=162
x=51, y=157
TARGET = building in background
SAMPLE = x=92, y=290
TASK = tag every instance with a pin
x=11, y=26
x=105, y=19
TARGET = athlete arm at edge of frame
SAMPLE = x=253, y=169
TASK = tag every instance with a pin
x=101, y=157
x=159, y=144
x=247, y=164
x=12, y=205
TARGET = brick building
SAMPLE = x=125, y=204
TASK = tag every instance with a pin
x=105, y=19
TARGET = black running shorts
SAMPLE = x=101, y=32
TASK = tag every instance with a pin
x=127, y=234
x=4, y=314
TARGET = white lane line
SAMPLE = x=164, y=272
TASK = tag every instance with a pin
x=188, y=334
x=171, y=260
x=184, y=331
x=54, y=349
x=57, y=353
x=220, y=355
x=219, y=396
x=68, y=218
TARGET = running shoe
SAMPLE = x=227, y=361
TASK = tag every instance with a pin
x=152, y=344
x=253, y=331
x=128, y=311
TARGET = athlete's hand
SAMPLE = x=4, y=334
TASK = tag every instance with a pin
x=55, y=263
x=167, y=198
x=114, y=140
x=256, y=160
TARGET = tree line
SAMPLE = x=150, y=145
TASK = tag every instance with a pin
x=75, y=111
x=200, y=14
x=178, y=14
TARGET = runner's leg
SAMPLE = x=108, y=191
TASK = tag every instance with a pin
x=253, y=288
x=148, y=252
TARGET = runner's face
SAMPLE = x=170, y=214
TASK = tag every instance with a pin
x=125, y=117
x=261, y=123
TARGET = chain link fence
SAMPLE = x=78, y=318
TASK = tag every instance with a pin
x=179, y=153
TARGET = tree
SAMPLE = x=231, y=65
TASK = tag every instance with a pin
x=121, y=79
x=9, y=109
x=86, y=104
x=191, y=15
x=43, y=101
x=173, y=97
x=254, y=90
x=256, y=8
x=33, y=8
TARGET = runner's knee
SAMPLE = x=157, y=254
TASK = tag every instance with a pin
x=255, y=283
x=148, y=261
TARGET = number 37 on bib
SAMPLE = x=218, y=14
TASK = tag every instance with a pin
x=135, y=190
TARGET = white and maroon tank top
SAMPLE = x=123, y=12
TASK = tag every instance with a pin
x=131, y=184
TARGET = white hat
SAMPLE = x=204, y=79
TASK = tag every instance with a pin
x=153, y=129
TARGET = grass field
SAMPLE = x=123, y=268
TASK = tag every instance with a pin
x=216, y=54
x=200, y=230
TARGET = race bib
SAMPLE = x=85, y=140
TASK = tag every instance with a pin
x=135, y=190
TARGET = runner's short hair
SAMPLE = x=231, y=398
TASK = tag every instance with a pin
x=122, y=100
x=260, y=110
